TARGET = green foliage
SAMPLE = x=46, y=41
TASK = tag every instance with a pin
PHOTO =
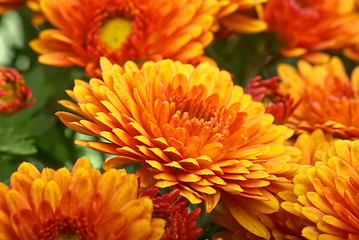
x=15, y=142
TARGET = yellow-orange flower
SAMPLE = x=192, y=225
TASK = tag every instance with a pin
x=120, y=30
x=14, y=94
x=81, y=204
x=327, y=193
x=329, y=100
x=192, y=130
x=243, y=16
x=37, y=17
x=306, y=27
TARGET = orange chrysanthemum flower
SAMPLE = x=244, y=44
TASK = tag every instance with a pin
x=329, y=100
x=179, y=223
x=305, y=26
x=243, y=16
x=14, y=94
x=327, y=193
x=37, y=17
x=280, y=105
x=136, y=30
x=192, y=130
x=81, y=204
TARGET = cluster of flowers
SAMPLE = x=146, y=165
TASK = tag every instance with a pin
x=273, y=161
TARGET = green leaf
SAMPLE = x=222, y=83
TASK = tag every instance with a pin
x=13, y=142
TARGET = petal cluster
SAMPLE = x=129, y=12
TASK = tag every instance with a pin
x=190, y=128
x=305, y=27
x=310, y=143
x=81, y=204
x=14, y=94
x=120, y=30
x=280, y=105
x=179, y=223
x=325, y=91
x=327, y=193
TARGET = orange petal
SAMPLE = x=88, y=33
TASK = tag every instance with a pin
x=113, y=162
x=68, y=204
x=36, y=192
x=62, y=179
x=29, y=170
x=52, y=194
x=146, y=177
x=247, y=219
x=60, y=59
x=81, y=185
x=157, y=227
x=243, y=24
x=16, y=201
x=211, y=201
x=184, y=177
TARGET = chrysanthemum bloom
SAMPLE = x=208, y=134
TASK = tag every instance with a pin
x=122, y=30
x=329, y=99
x=280, y=105
x=179, y=223
x=37, y=17
x=282, y=225
x=14, y=94
x=305, y=27
x=327, y=193
x=192, y=130
x=81, y=204
x=243, y=16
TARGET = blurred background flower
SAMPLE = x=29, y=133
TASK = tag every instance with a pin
x=14, y=94
x=306, y=27
x=37, y=17
x=149, y=30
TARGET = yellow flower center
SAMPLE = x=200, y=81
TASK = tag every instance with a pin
x=115, y=31
x=68, y=237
